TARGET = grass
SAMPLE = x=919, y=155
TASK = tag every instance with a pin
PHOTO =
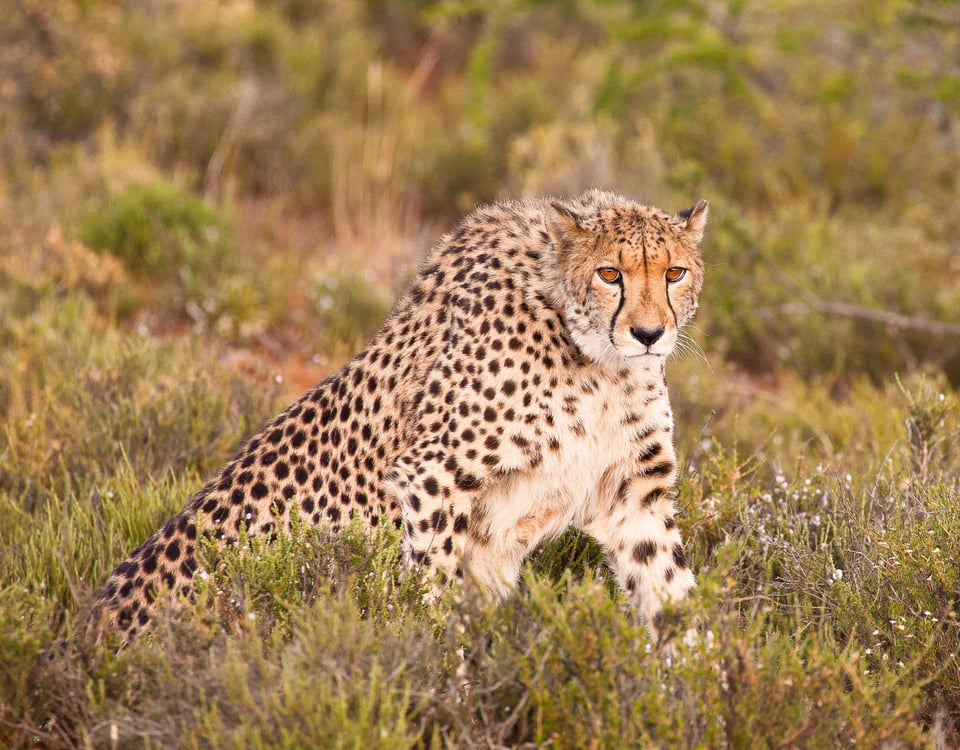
x=204, y=208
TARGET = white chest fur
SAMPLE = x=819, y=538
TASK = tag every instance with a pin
x=595, y=440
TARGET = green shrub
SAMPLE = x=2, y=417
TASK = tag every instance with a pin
x=160, y=233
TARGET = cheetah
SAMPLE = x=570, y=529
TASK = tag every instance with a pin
x=516, y=389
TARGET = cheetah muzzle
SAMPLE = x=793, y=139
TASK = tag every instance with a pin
x=516, y=389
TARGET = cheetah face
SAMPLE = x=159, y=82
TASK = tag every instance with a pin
x=628, y=278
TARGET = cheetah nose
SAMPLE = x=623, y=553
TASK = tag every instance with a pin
x=647, y=336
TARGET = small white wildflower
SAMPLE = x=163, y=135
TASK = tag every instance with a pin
x=868, y=651
x=647, y=649
x=251, y=616
x=885, y=657
x=278, y=378
x=837, y=574
x=204, y=575
x=901, y=664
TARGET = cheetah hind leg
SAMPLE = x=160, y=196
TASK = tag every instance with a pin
x=436, y=513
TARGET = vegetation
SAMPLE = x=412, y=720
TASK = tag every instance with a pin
x=206, y=206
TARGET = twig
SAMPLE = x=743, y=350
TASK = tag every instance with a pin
x=887, y=318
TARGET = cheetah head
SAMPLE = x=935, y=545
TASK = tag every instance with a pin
x=626, y=277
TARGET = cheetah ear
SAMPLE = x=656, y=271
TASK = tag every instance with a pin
x=693, y=220
x=563, y=225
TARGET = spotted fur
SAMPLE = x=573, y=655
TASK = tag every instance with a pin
x=514, y=391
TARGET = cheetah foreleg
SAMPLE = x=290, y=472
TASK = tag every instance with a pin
x=644, y=548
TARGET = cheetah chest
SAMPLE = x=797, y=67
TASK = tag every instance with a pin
x=588, y=440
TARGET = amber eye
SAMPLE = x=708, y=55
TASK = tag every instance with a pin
x=610, y=275
x=675, y=274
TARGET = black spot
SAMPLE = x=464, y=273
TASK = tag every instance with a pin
x=650, y=452
x=172, y=552
x=658, y=619
x=188, y=567
x=679, y=558
x=490, y=414
x=125, y=618
x=245, y=477
x=467, y=481
x=438, y=520
x=150, y=563
x=281, y=470
x=644, y=552
x=431, y=486
x=448, y=545
x=662, y=469
x=460, y=523
x=237, y=497
x=300, y=475
x=276, y=436
x=421, y=558
x=669, y=523
x=268, y=458
x=259, y=491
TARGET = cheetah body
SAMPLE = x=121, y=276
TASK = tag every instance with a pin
x=514, y=391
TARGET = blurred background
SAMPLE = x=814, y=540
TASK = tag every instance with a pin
x=268, y=173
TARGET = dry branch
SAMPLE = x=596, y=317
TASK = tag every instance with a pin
x=859, y=312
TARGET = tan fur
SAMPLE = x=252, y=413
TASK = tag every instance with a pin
x=512, y=393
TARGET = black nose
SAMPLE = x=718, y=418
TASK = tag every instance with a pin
x=647, y=336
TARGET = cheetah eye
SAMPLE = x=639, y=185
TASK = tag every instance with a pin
x=610, y=275
x=675, y=274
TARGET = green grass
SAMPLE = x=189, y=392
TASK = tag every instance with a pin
x=198, y=201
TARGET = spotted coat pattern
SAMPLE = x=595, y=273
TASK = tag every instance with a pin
x=516, y=389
